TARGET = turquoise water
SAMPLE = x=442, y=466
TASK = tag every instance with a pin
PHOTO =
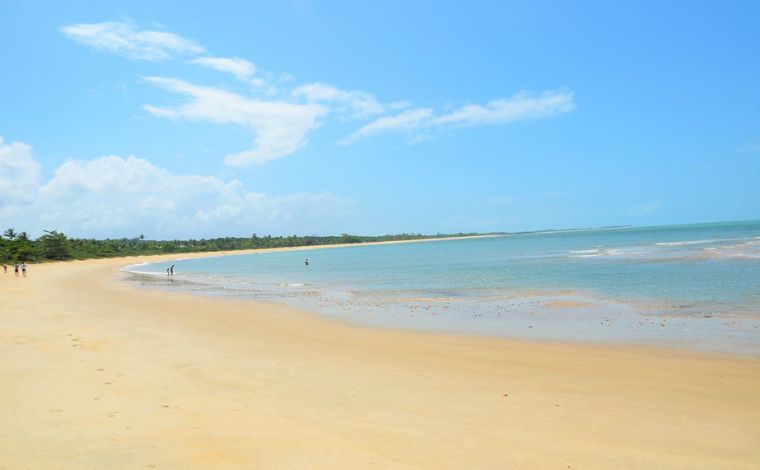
x=705, y=271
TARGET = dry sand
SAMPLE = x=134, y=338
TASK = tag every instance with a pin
x=95, y=373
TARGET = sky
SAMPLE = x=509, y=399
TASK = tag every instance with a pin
x=181, y=120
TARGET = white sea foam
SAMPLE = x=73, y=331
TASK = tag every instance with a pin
x=134, y=269
x=593, y=255
x=143, y=273
x=701, y=242
x=686, y=243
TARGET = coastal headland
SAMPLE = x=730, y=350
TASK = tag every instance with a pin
x=97, y=373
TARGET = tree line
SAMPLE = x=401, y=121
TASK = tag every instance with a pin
x=54, y=245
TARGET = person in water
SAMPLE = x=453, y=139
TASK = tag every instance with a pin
x=306, y=262
x=171, y=270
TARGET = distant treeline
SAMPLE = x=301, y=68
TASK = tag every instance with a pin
x=54, y=245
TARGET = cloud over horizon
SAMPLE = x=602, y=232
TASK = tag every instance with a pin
x=113, y=196
x=19, y=176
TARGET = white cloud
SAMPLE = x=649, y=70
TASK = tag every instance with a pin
x=280, y=127
x=121, y=38
x=520, y=107
x=240, y=68
x=19, y=177
x=115, y=197
x=358, y=103
x=406, y=121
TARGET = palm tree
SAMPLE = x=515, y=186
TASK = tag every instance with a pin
x=10, y=234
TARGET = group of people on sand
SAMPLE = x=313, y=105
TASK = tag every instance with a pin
x=16, y=268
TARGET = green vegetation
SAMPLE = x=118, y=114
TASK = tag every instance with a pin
x=54, y=245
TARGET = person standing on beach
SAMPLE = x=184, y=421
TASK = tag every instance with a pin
x=23, y=268
x=15, y=269
x=5, y=269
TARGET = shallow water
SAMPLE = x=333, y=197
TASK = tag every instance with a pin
x=691, y=285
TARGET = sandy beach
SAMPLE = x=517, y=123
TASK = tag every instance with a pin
x=97, y=373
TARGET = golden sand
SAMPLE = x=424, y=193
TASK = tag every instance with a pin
x=96, y=373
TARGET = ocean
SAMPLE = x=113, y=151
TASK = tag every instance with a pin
x=693, y=286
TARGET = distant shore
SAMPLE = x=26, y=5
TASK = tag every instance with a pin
x=97, y=373
x=212, y=254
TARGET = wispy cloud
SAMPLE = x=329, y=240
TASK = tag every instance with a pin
x=406, y=121
x=358, y=103
x=521, y=107
x=240, y=68
x=123, y=39
x=114, y=196
x=280, y=127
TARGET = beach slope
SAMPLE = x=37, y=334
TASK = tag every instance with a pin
x=97, y=373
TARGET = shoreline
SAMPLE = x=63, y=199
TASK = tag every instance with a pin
x=100, y=373
x=575, y=317
x=539, y=312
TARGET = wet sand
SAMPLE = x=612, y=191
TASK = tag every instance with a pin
x=96, y=373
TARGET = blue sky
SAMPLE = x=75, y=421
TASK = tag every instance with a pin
x=309, y=117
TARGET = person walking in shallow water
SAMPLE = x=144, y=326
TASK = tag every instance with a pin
x=171, y=270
